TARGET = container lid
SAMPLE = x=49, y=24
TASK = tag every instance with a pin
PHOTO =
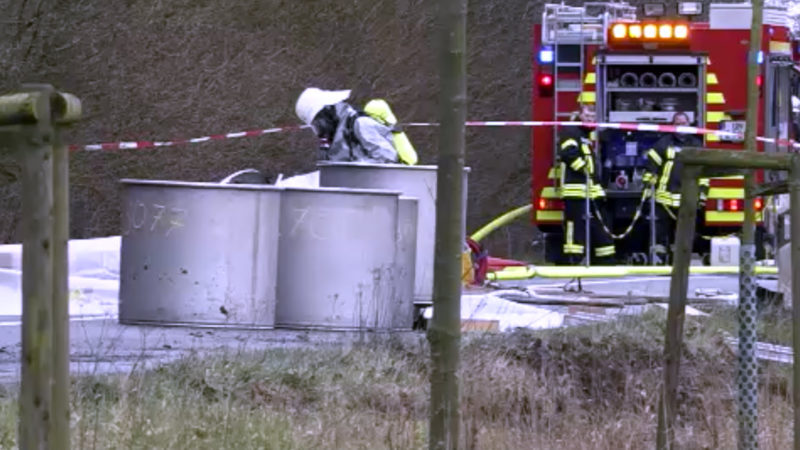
x=366, y=165
x=340, y=190
x=200, y=185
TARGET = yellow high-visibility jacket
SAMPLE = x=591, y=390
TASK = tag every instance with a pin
x=379, y=110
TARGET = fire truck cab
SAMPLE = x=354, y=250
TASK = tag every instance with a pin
x=643, y=71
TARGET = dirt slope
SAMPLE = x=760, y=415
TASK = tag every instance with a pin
x=170, y=69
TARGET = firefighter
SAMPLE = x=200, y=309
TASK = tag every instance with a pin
x=579, y=176
x=662, y=170
x=347, y=134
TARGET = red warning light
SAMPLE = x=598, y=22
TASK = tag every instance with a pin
x=542, y=203
x=546, y=80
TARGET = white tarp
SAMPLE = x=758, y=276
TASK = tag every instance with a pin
x=99, y=255
x=306, y=180
x=93, y=277
x=509, y=314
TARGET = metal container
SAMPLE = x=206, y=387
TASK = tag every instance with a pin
x=406, y=260
x=412, y=181
x=338, y=260
x=198, y=254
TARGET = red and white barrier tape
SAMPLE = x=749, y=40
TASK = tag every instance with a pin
x=127, y=145
x=618, y=126
x=254, y=133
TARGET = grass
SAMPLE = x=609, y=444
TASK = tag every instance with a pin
x=586, y=387
x=774, y=325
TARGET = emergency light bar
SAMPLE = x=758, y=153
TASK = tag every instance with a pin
x=632, y=33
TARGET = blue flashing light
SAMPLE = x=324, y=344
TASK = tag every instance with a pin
x=760, y=57
x=545, y=55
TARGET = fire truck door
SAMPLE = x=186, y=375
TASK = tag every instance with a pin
x=777, y=106
x=778, y=119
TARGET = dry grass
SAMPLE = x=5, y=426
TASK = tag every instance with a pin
x=582, y=388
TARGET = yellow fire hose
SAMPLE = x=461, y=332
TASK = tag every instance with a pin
x=500, y=221
x=527, y=272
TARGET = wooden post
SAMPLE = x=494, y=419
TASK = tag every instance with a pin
x=735, y=160
x=27, y=126
x=794, y=204
x=60, y=431
x=693, y=159
x=445, y=328
x=36, y=162
x=684, y=237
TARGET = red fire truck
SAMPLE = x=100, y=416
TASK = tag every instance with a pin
x=644, y=70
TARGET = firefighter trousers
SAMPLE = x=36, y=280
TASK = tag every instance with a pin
x=665, y=227
x=575, y=234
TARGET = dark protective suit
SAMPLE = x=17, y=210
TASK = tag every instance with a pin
x=578, y=168
x=354, y=136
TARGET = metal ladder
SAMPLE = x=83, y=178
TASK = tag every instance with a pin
x=581, y=26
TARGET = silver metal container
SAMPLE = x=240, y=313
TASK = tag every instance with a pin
x=338, y=260
x=412, y=181
x=199, y=254
x=406, y=260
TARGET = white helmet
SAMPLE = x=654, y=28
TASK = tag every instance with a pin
x=312, y=100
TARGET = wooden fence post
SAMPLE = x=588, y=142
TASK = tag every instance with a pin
x=794, y=208
x=444, y=333
x=36, y=162
x=28, y=123
x=684, y=237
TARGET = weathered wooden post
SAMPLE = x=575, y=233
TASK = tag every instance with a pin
x=677, y=305
x=67, y=110
x=27, y=122
x=693, y=159
x=34, y=150
x=445, y=328
x=794, y=203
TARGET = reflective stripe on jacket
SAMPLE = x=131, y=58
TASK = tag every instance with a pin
x=379, y=110
x=578, y=166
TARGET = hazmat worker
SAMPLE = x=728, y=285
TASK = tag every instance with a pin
x=578, y=178
x=347, y=134
x=663, y=171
